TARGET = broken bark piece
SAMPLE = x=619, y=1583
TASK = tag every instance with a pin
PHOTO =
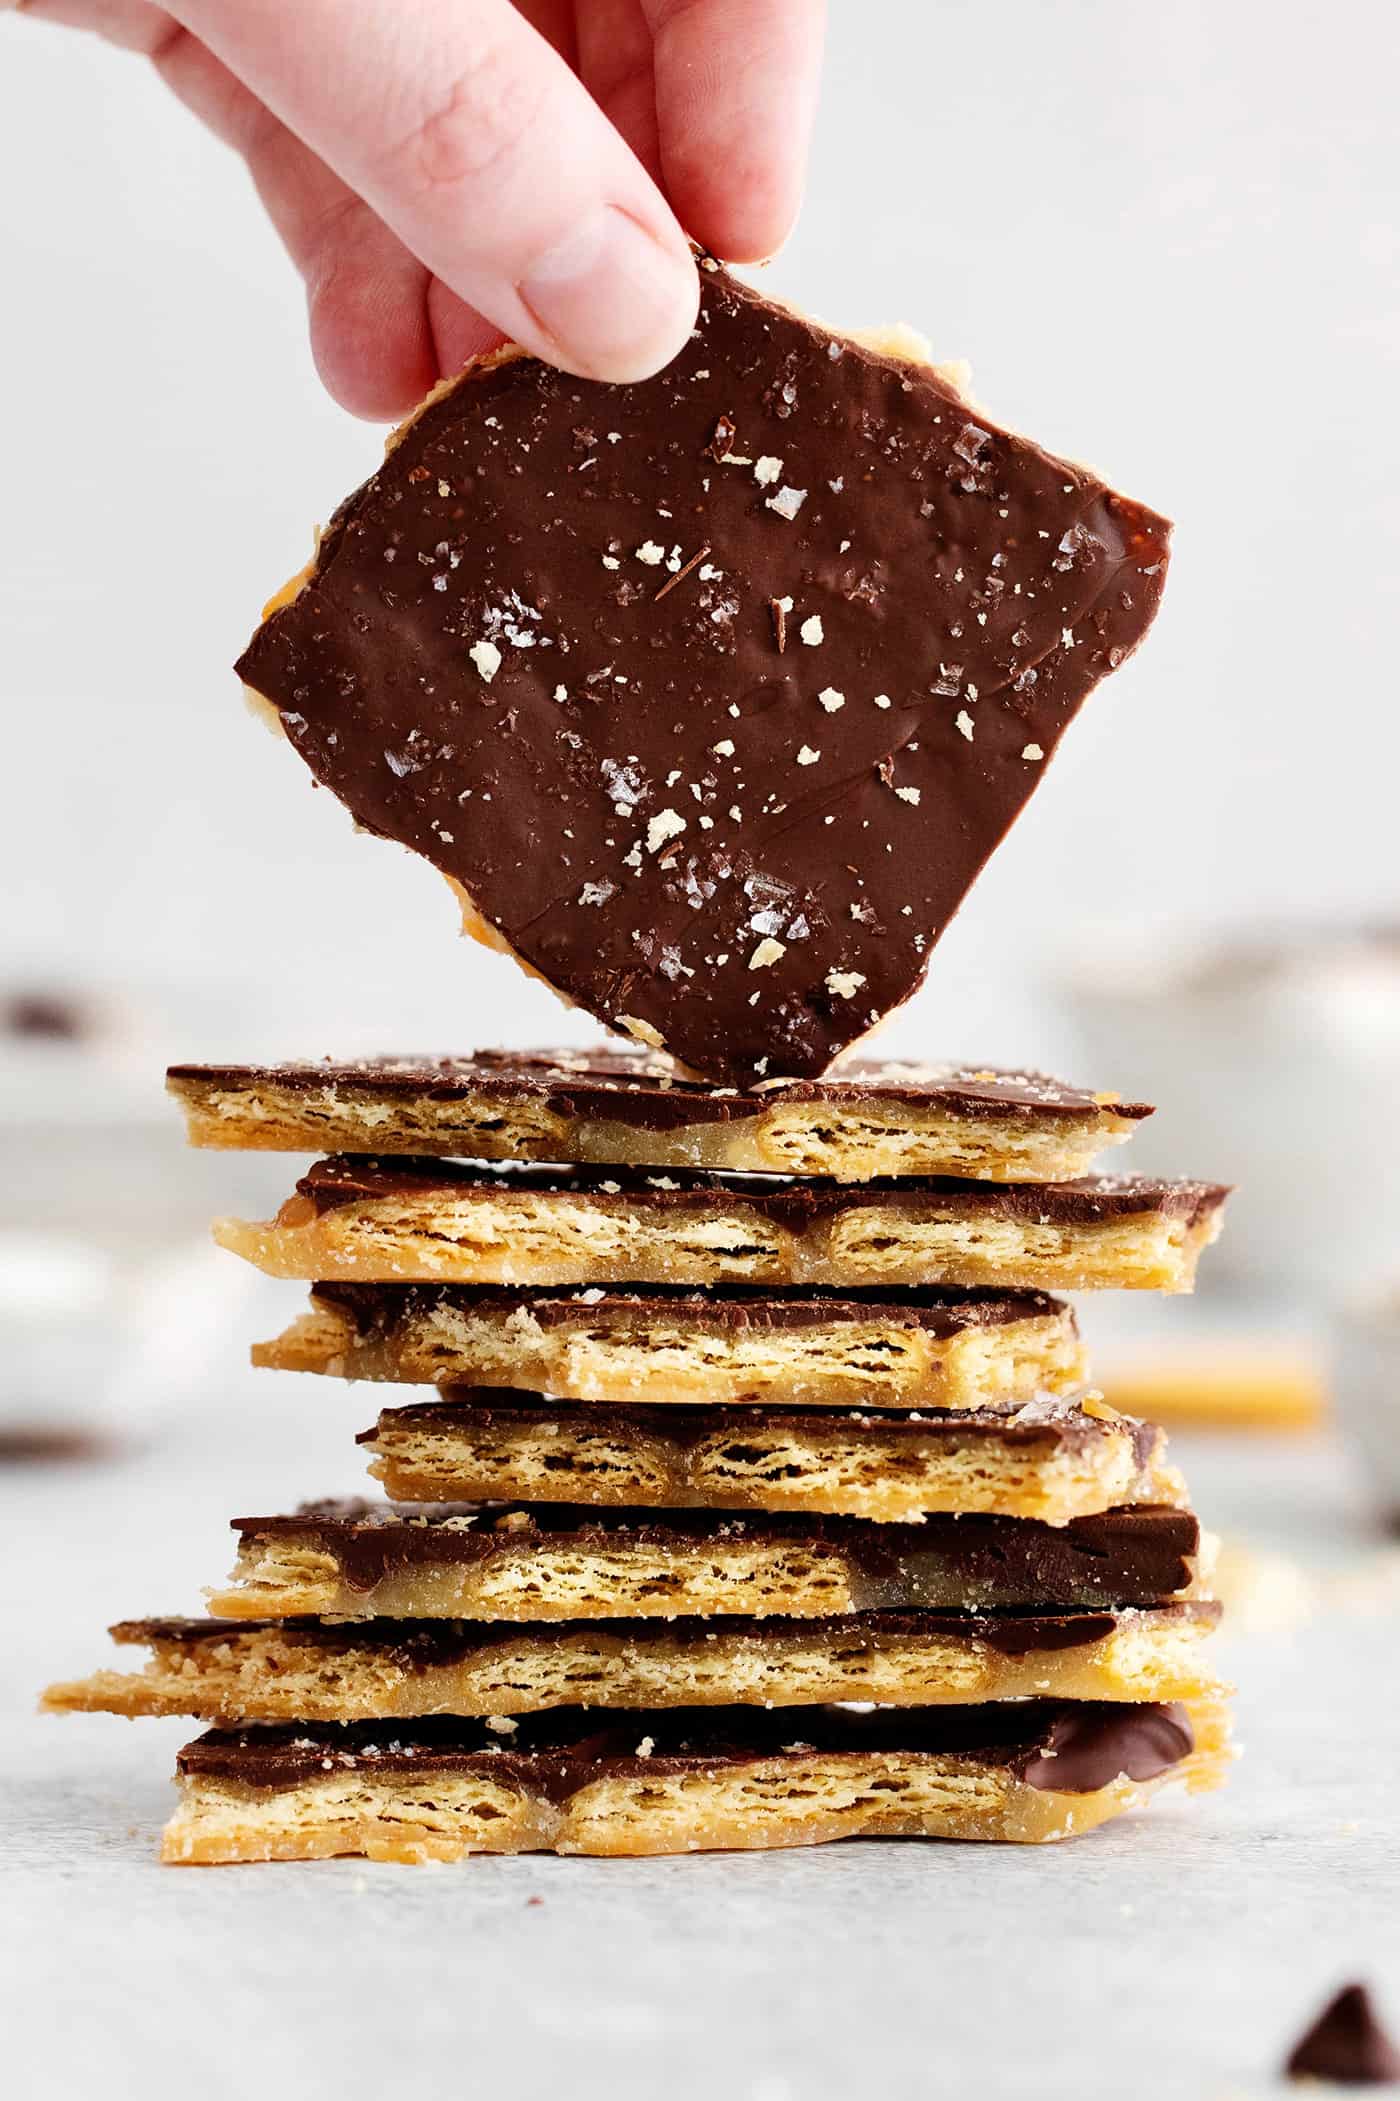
x=739, y=852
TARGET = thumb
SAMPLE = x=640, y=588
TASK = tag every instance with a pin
x=472, y=139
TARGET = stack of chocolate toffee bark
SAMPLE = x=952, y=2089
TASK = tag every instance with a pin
x=758, y=1498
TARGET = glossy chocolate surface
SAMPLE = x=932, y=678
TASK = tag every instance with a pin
x=1052, y=1425
x=714, y=692
x=790, y=1201
x=722, y=1309
x=1052, y=1745
x=438, y=1644
x=1140, y=1555
x=646, y=1093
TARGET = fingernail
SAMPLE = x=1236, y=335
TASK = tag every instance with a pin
x=614, y=302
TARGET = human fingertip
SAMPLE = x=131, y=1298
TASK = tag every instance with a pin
x=612, y=299
x=747, y=220
x=752, y=238
x=372, y=343
x=459, y=334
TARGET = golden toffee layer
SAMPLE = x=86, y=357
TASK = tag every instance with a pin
x=727, y=1345
x=403, y=1670
x=363, y=1560
x=407, y=1221
x=604, y=1107
x=1049, y=1460
x=668, y=1781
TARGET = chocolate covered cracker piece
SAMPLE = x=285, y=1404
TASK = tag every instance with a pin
x=397, y=1670
x=402, y=1221
x=543, y=1561
x=1047, y=1460
x=611, y=1108
x=710, y=695
x=672, y=1781
x=925, y=1349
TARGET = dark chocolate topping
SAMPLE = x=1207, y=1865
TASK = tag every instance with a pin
x=1347, y=2045
x=1089, y=1746
x=541, y=647
x=431, y=1644
x=1135, y=1556
x=792, y=1201
x=645, y=1093
x=1056, y=1425
x=557, y=1753
x=730, y=1308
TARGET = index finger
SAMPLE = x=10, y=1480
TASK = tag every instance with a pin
x=736, y=93
x=470, y=137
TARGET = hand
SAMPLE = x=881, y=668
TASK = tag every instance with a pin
x=442, y=171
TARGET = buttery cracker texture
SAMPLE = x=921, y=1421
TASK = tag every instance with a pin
x=1046, y=1461
x=712, y=694
x=654, y=1782
x=618, y=1107
x=399, y=1220
x=940, y=1350
x=394, y=1670
x=554, y=1562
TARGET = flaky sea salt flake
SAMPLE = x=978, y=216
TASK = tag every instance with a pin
x=666, y=824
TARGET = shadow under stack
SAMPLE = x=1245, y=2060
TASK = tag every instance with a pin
x=758, y=1497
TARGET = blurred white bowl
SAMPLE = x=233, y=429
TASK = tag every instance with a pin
x=113, y=1305
x=1274, y=1064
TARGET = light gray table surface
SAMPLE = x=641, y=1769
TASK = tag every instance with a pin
x=1174, y=1953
